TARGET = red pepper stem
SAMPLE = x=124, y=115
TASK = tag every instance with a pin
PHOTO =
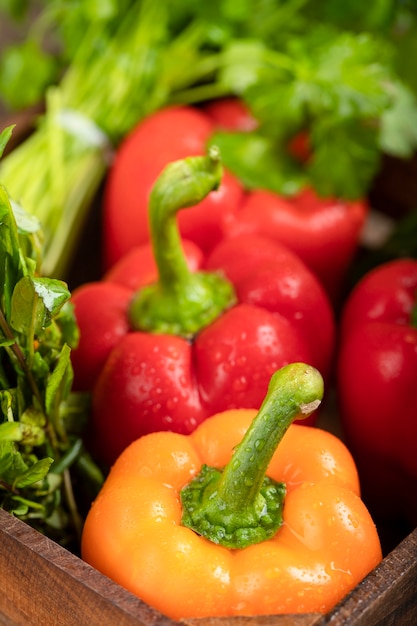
x=240, y=506
x=180, y=302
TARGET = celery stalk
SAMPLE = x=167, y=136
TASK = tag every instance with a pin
x=56, y=172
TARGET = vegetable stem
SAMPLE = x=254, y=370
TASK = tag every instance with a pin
x=241, y=506
x=180, y=302
x=16, y=350
x=77, y=522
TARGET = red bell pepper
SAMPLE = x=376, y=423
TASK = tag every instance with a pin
x=377, y=386
x=167, y=354
x=323, y=232
x=170, y=134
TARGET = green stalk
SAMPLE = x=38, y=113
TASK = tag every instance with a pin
x=56, y=172
x=180, y=302
x=240, y=506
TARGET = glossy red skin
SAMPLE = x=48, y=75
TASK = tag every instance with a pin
x=102, y=328
x=324, y=233
x=377, y=375
x=168, y=135
x=154, y=382
x=385, y=294
x=274, y=278
x=230, y=114
x=101, y=309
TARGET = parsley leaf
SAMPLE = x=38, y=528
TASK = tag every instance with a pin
x=37, y=331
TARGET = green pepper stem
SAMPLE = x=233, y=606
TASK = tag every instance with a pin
x=240, y=506
x=180, y=302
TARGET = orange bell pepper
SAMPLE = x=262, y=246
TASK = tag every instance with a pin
x=195, y=541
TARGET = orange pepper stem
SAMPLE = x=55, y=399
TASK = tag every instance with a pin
x=240, y=505
x=180, y=302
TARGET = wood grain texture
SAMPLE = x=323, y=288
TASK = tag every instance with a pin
x=42, y=584
x=308, y=619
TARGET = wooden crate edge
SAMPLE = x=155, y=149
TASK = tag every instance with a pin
x=43, y=583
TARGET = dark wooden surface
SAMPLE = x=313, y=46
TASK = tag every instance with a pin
x=43, y=584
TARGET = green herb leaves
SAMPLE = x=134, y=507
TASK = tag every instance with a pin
x=331, y=85
x=35, y=301
x=37, y=409
x=4, y=138
x=339, y=73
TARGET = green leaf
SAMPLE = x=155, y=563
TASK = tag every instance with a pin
x=12, y=462
x=4, y=137
x=19, y=506
x=12, y=264
x=258, y=162
x=245, y=63
x=35, y=301
x=33, y=416
x=4, y=343
x=26, y=314
x=69, y=457
x=345, y=158
x=23, y=506
x=66, y=322
x=399, y=124
x=28, y=434
x=7, y=452
x=26, y=223
x=11, y=431
x=59, y=382
x=17, y=63
x=283, y=107
x=40, y=366
x=6, y=403
x=53, y=293
x=33, y=474
x=350, y=72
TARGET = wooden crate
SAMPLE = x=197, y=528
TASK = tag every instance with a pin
x=44, y=584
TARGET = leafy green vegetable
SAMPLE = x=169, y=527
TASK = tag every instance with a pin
x=341, y=73
x=399, y=129
x=18, y=91
x=4, y=138
x=40, y=419
x=112, y=82
x=331, y=85
x=274, y=170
